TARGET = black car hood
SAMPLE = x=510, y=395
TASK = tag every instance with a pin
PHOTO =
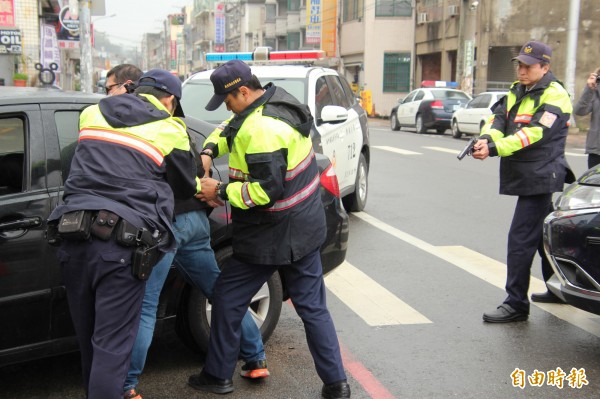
x=591, y=177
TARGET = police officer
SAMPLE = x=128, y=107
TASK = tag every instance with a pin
x=278, y=222
x=528, y=131
x=133, y=157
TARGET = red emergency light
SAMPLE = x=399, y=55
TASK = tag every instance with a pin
x=265, y=54
x=439, y=83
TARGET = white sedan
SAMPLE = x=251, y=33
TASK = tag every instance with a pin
x=474, y=115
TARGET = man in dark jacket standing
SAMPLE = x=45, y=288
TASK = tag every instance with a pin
x=133, y=157
x=278, y=222
x=589, y=103
x=528, y=131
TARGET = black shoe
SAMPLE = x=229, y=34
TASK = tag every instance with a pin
x=505, y=314
x=208, y=383
x=546, y=297
x=339, y=389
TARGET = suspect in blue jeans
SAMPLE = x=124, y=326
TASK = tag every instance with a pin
x=195, y=259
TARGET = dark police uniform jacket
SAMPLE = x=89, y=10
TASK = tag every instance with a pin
x=132, y=159
x=274, y=181
x=528, y=130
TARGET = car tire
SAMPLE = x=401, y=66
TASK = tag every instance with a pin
x=394, y=124
x=356, y=201
x=440, y=130
x=194, y=328
x=456, y=133
x=419, y=126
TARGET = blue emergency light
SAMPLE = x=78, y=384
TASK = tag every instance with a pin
x=265, y=54
x=439, y=83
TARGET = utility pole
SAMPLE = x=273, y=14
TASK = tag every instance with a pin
x=572, y=34
x=85, y=46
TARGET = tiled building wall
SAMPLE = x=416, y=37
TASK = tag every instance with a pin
x=26, y=16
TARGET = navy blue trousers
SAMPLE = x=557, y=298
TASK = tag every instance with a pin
x=105, y=302
x=233, y=291
x=524, y=239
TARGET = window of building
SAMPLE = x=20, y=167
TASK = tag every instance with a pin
x=294, y=5
x=393, y=8
x=293, y=41
x=396, y=72
x=271, y=12
x=353, y=9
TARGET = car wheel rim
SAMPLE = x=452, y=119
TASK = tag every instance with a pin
x=419, y=124
x=259, y=306
x=362, y=183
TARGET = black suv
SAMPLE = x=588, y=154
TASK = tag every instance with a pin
x=38, y=134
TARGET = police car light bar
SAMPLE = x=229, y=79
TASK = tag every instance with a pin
x=264, y=54
x=439, y=83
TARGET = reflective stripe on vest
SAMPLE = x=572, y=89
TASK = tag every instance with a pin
x=237, y=174
x=523, y=137
x=296, y=198
x=123, y=139
x=523, y=118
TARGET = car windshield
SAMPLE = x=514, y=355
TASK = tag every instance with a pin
x=447, y=94
x=197, y=93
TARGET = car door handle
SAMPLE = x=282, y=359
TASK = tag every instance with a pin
x=21, y=224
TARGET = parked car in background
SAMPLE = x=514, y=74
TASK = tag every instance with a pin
x=39, y=129
x=572, y=243
x=471, y=118
x=340, y=131
x=427, y=108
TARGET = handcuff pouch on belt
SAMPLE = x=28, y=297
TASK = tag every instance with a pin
x=75, y=225
x=79, y=225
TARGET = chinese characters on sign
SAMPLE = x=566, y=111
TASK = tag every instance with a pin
x=313, y=23
x=219, y=28
x=557, y=378
x=50, y=52
x=7, y=13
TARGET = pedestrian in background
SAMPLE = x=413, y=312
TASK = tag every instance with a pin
x=133, y=156
x=278, y=222
x=528, y=132
x=589, y=103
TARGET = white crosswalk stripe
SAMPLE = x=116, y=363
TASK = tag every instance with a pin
x=396, y=150
x=370, y=300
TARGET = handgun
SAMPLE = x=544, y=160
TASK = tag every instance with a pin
x=468, y=150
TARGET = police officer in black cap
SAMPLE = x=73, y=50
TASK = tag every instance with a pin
x=132, y=159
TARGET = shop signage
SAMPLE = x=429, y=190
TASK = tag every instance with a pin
x=10, y=41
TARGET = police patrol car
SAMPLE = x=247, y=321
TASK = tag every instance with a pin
x=340, y=130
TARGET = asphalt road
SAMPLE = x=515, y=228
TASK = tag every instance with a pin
x=425, y=260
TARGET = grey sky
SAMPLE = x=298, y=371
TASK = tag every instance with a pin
x=134, y=18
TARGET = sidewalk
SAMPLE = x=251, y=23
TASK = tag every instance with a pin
x=575, y=139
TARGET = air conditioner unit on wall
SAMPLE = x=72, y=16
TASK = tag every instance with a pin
x=422, y=18
x=453, y=10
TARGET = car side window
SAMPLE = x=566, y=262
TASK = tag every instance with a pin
x=322, y=96
x=67, y=126
x=485, y=101
x=409, y=98
x=12, y=155
x=350, y=94
x=474, y=103
x=420, y=95
x=339, y=97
